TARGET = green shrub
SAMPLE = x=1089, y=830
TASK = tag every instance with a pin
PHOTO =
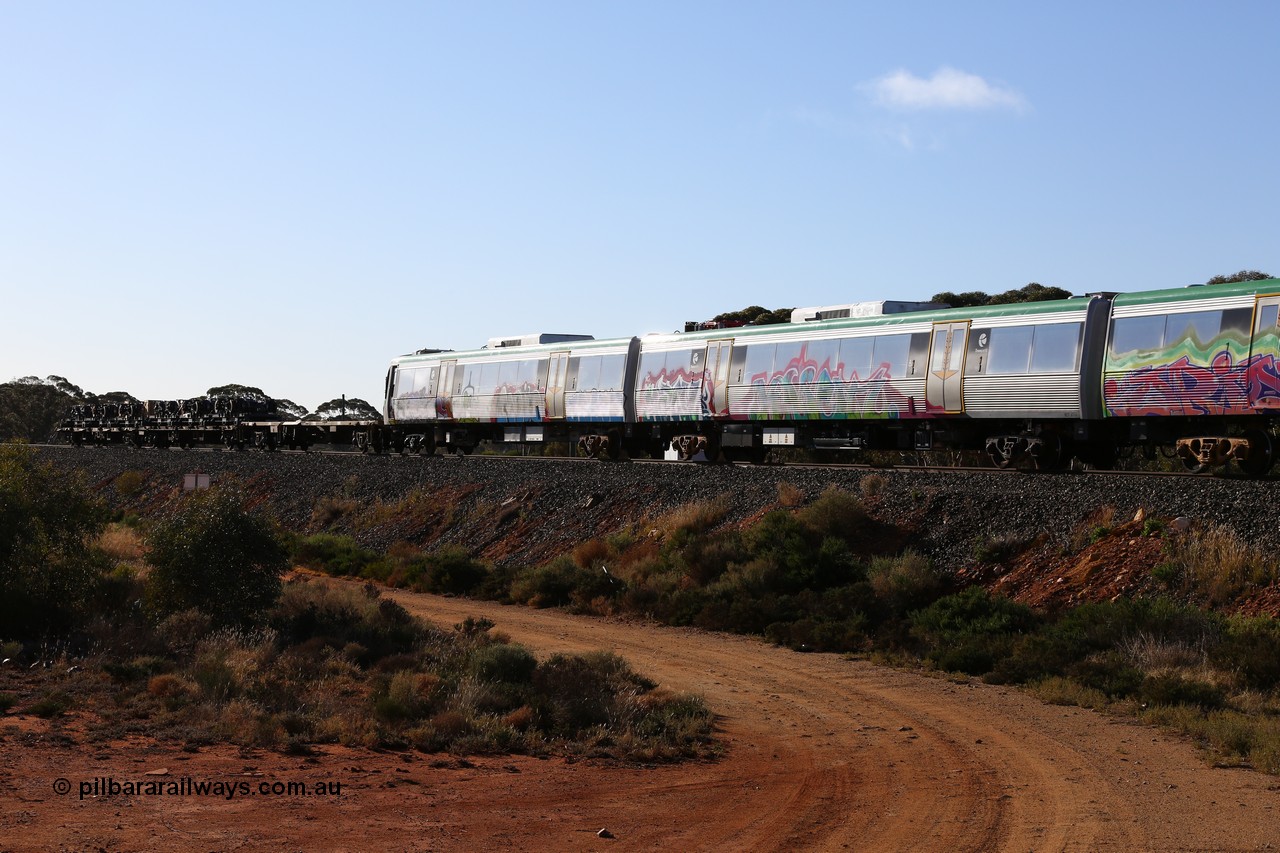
x=998, y=550
x=704, y=559
x=504, y=663
x=136, y=669
x=837, y=513
x=970, y=631
x=181, y=632
x=407, y=696
x=1172, y=689
x=974, y=612
x=1250, y=648
x=1109, y=674
x=904, y=583
x=1103, y=627
x=450, y=570
x=7, y=701
x=49, y=569
x=339, y=555
x=562, y=581
x=340, y=617
x=129, y=483
x=577, y=692
x=55, y=703
x=1167, y=574
x=214, y=556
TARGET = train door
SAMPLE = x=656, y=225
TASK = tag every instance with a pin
x=942, y=390
x=1264, y=355
x=556, y=377
x=444, y=389
x=388, y=409
x=715, y=379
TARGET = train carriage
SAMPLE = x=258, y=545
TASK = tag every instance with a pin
x=896, y=381
x=1196, y=368
x=533, y=388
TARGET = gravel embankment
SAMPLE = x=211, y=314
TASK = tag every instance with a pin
x=565, y=501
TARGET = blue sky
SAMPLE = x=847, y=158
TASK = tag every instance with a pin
x=289, y=194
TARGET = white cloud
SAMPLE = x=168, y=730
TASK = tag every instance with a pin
x=948, y=88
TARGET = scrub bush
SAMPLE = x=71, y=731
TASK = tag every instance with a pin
x=216, y=557
x=50, y=570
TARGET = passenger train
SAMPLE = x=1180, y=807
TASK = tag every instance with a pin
x=1192, y=371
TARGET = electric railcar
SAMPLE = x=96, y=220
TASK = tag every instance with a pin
x=1193, y=370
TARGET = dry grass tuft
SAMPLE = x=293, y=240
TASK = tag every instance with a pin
x=1064, y=691
x=697, y=517
x=790, y=495
x=330, y=510
x=1216, y=565
x=122, y=544
x=872, y=485
x=129, y=483
x=592, y=553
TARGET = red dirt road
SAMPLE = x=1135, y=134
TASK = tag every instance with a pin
x=829, y=754
x=823, y=754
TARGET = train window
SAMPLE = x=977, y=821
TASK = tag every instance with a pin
x=470, y=382
x=405, y=382
x=1267, y=316
x=544, y=368
x=736, y=364
x=651, y=366
x=527, y=375
x=1009, y=350
x=588, y=374
x=918, y=362
x=759, y=364
x=822, y=361
x=788, y=366
x=1197, y=328
x=507, y=373
x=1056, y=348
x=1136, y=334
x=488, y=378
x=890, y=356
x=1237, y=320
x=612, y=368
x=856, y=353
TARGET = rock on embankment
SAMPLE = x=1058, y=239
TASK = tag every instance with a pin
x=526, y=510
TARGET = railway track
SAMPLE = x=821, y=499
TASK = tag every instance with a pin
x=1221, y=473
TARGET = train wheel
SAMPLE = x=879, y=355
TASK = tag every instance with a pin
x=1262, y=454
x=998, y=459
x=1048, y=455
x=1192, y=464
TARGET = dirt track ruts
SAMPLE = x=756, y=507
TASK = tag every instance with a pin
x=830, y=754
